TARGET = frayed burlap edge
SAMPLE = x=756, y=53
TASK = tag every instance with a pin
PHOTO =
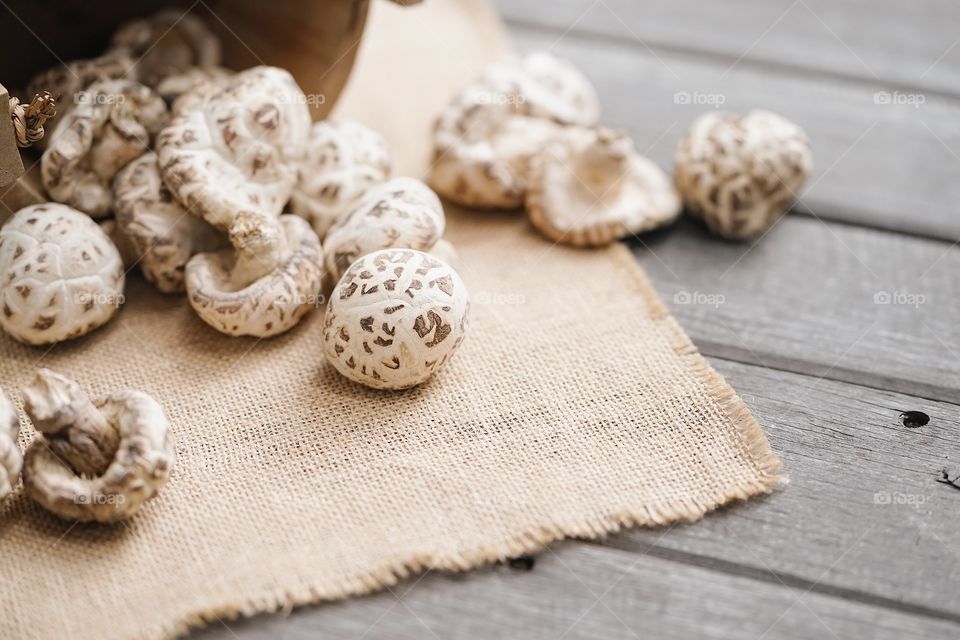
x=746, y=434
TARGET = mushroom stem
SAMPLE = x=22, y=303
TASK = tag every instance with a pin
x=74, y=428
x=260, y=245
x=605, y=164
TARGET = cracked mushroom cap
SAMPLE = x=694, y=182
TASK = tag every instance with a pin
x=740, y=174
x=590, y=187
x=164, y=236
x=395, y=318
x=64, y=81
x=232, y=150
x=482, y=147
x=545, y=86
x=62, y=277
x=111, y=126
x=98, y=460
x=167, y=43
x=403, y=213
x=343, y=160
x=263, y=286
x=10, y=457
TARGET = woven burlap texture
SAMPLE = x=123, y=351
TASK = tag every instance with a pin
x=575, y=407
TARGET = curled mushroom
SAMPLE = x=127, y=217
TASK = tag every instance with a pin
x=395, y=318
x=10, y=457
x=343, y=160
x=97, y=460
x=232, y=149
x=167, y=43
x=739, y=174
x=164, y=236
x=402, y=213
x=62, y=277
x=482, y=148
x=65, y=81
x=111, y=126
x=266, y=284
x=590, y=187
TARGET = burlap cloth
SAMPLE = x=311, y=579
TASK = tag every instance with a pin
x=575, y=407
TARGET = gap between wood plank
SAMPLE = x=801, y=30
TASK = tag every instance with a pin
x=646, y=45
x=760, y=574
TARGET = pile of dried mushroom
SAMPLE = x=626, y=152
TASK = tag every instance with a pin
x=217, y=184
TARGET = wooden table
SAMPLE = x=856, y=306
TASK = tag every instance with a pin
x=841, y=318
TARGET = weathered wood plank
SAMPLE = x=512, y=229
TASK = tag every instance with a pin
x=908, y=44
x=864, y=516
x=585, y=591
x=874, y=161
x=831, y=300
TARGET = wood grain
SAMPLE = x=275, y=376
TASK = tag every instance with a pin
x=583, y=591
x=905, y=44
x=828, y=300
x=890, y=166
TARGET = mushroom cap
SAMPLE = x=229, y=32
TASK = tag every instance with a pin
x=10, y=457
x=164, y=236
x=61, y=275
x=446, y=252
x=167, y=43
x=128, y=253
x=739, y=174
x=547, y=87
x=64, y=81
x=112, y=125
x=343, y=160
x=482, y=146
x=139, y=469
x=590, y=187
x=402, y=213
x=269, y=305
x=395, y=318
x=233, y=150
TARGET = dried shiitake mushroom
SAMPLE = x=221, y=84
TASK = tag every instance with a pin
x=97, y=460
x=739, y=174
x=395, y=318
x=590, y=187
x=484, y=139
x=10, y=457
x=402, y=213
x=175, y=86
x=65, y=81
x=164, y=236
x=167, y=43
x=111, y=126
x=128, y=253
x=343, y=160
x=61, y=275
x=545, y=86
x=233, y=149
x=266, y=284
x=482, y=148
